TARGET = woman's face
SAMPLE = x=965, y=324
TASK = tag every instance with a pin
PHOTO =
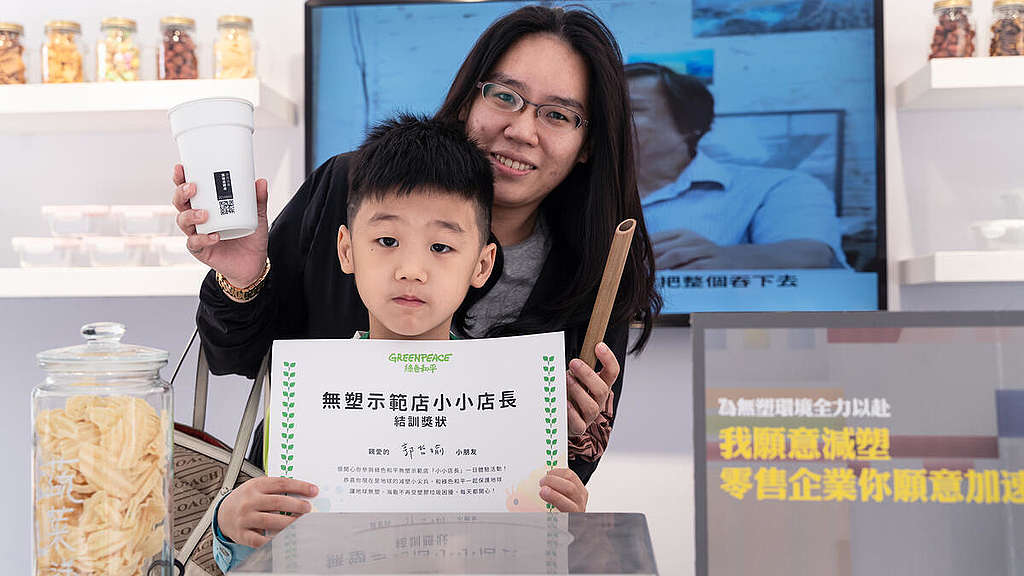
x=529, y=157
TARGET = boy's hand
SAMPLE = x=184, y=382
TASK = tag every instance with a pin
x=564, y=489
x=256, y=506
x=588, y=390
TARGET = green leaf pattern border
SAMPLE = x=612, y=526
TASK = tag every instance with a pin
x=551, y=555
x=291, y=550
x=287, y=420
x=550, y=415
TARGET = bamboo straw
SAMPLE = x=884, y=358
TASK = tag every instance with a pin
x=617, y=254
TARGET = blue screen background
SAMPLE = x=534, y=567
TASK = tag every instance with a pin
x=794, y=88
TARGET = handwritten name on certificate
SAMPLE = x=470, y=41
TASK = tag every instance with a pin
x=419, y=426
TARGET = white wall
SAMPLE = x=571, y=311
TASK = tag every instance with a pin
x=944, y=168
x=135, y=167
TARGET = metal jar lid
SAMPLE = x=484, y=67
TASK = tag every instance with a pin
x=234, y=20
x=177, y=22
x=117, y=22
x=63, y=26
x=12, y=27
x=941, y=4
x=102, y=352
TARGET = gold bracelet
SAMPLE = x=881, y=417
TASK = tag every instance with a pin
x=242, y=295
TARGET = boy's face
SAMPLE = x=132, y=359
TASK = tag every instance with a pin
x=414, y=257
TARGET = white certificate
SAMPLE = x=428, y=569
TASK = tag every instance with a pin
x=418, y=426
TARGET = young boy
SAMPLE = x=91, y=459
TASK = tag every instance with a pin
x=419, y=217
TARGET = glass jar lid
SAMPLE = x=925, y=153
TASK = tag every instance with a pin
x=1005, y=3
x=63, y=26
x=102, y=352
x=941, y=4
x=12, y=27
x=116, y=22
x=177, y=22
x=234, y=21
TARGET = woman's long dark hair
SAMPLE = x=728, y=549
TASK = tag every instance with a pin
x=585, y=208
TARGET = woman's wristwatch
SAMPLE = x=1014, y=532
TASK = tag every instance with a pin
x=242, y=295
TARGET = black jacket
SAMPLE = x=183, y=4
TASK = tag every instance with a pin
x=306, y=295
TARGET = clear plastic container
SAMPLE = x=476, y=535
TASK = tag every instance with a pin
x=1007, y=28
x=234, y=51
x=144, y=220
x=102, y=425
x=46, y=252
x=84, y=220
x=116, y=250
x=176, y=52
x=953, y=36
x=172, y=251
x=1006, y=234
x=63, y=53
x=117, y=51
x=1012, y=204
x=12, y=53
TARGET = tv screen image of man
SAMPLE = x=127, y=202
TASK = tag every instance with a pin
x=703, y=214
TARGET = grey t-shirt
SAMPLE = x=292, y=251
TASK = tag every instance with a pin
x=522, y=265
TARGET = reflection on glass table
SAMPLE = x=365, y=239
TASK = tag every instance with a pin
x=477, y=543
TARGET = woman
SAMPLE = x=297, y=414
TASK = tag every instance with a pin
x=544, y=93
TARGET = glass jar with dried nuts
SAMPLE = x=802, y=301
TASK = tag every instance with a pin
x=954, y=30
x=117, y=51
x=1007, y=28
x=12, y=54
x=63, y=53
x=234, y=52
x=176, y=54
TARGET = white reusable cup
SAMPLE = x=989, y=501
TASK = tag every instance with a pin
x=214, y=137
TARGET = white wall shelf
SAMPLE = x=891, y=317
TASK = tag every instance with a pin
x=964, y=266
x=128, y=106
x=985, y=82
x=101, y=282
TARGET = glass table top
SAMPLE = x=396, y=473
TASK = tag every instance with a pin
x=469, y=543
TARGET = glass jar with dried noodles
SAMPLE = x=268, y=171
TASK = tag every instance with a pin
x=101, y=459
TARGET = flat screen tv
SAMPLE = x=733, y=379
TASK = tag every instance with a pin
x=771, y=199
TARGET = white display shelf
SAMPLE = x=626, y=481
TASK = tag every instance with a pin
x=101, y=282
x=127, y=106
x=964, y=266
x=985, y=82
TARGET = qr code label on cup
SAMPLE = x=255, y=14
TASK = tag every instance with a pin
x=225, y=197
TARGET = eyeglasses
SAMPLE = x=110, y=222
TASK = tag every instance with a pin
x=554, y=116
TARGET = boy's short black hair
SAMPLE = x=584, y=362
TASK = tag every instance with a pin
x=412, y=153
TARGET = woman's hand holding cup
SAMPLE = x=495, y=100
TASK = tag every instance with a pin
x=240, y=261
